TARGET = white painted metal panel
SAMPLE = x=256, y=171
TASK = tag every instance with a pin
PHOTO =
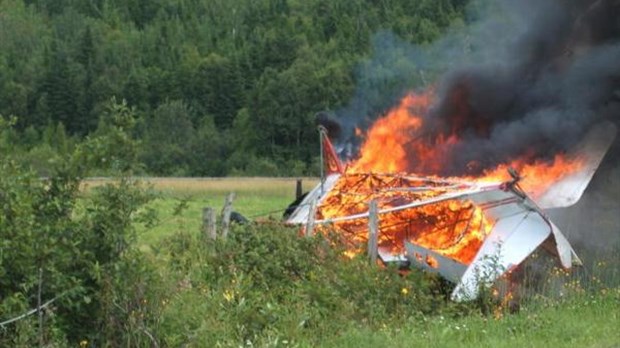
x=511, y=241
x=567, y=255
x=446, y=267
x=591, y=150
x=386, y=256
x=300, y=215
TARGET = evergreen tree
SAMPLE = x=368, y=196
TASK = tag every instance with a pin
x=59, y=90
x=218, y=89
x=86, y=122
x=168, y=137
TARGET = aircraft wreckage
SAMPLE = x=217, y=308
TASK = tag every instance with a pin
x=471, y=231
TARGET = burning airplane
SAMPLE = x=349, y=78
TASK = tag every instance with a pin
x=470, y=230
x=463, y=173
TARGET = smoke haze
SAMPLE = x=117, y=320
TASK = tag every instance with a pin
x=525, y=77
x=522, y=77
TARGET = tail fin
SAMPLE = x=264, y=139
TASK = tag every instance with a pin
x=592, y=148
x=331, y=162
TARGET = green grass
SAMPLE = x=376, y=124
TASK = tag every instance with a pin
x=581, y=321
x=180, y=201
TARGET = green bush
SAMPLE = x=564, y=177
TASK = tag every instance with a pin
x=57, y=245
x=267, y=282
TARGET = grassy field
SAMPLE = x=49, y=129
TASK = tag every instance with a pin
x=582, y=321
x=197, y=306
x=180, y=201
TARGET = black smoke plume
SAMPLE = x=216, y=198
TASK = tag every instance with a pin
x=527, y=77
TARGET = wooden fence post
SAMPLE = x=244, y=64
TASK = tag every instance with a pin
x=209, y=223
x=226, y=211
x=311, y=216
x=298, y=189
x=39, y=309
x=373, y=231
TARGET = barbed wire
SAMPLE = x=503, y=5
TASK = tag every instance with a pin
x=30, y=312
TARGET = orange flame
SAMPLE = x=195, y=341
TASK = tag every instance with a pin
x=455, y=228
x=394, y=145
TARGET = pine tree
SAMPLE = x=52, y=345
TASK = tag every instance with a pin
x=218, y=88
x=58, y=87
x=84, y=122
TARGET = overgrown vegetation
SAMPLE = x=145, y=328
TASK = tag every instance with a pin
x=266, y=282
x=58, y=246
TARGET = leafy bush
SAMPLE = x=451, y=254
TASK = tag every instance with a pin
x=59, y=246
x=267, y=282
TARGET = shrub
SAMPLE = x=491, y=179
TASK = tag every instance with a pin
x=267, y=282
x=57, y=245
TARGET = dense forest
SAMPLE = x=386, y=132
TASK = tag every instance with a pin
x=214, y=87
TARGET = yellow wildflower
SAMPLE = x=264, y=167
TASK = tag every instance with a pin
x=229, y=295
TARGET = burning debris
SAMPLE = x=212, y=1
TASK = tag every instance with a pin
x=469, y=230
x=462, y=172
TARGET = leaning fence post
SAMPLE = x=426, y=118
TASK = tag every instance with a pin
x=311, y=216
x=209, y=223
x=226, y=211
x=373, y=231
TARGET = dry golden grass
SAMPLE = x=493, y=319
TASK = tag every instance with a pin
x=197, y=186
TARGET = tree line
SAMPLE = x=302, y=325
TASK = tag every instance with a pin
x=220, y=87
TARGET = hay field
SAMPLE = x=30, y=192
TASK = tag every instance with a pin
x=194, y=186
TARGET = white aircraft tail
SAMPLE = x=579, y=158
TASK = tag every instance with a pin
x=592, y=149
